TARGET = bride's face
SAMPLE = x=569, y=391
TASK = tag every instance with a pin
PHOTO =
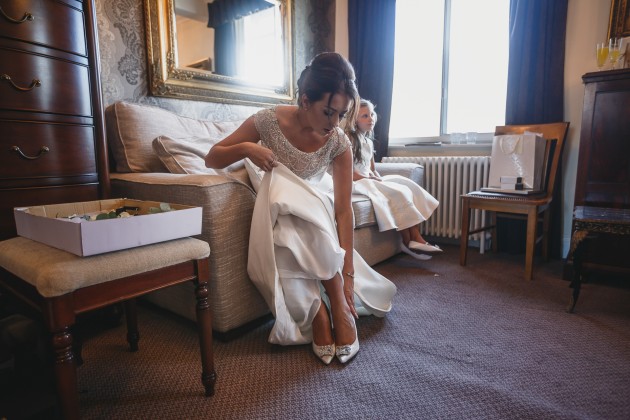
x=324, y=115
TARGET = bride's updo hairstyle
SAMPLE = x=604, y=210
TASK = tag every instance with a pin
x=329, y=72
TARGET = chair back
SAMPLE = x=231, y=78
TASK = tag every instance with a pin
x=555, y=134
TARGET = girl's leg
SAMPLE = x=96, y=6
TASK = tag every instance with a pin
x=345, y=331
x=412, y=234
x=406, y=236
x=422, y=245
x=415, y=235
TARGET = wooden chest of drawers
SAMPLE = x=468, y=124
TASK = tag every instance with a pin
x=52, y=141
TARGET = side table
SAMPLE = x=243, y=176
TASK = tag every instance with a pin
x=586, y=222
x=62, y=285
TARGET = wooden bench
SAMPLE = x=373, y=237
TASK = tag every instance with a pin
x=62, y=285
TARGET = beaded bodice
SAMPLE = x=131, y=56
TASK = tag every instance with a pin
x=306, y=165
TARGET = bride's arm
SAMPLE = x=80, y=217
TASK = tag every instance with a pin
x=342, y=182
x=242, y=143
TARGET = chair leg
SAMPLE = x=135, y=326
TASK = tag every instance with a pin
x=463, y=243
x=545, y=234
x=530, y=245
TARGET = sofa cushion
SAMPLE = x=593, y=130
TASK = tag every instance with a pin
x=186, y=156
x=131, y=129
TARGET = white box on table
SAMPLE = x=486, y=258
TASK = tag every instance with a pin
x=50, y=225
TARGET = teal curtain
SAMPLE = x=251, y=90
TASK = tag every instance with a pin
x=371, y=33
x=221, y=16
x=535, y=94
x=221, y=12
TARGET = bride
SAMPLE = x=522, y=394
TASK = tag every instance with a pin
x=301, y=244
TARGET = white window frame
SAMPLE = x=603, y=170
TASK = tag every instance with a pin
x=444, y=138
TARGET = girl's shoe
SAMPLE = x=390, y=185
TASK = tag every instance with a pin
x=346, y=352
x=324, y=353
x=417, y=256
x=424, y=247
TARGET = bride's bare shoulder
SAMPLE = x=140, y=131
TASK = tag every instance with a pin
x=284, y=113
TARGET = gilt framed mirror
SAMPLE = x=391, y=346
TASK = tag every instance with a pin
x=209, y=51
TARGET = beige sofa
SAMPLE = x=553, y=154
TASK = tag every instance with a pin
x=157, y=155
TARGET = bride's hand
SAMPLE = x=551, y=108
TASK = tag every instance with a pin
x=263, y=158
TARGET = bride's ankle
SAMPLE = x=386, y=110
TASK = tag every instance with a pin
x=322, y=329
x=345, y=330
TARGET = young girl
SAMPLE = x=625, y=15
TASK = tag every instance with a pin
x=399, y=203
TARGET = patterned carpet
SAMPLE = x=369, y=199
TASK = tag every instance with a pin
x=474, y=342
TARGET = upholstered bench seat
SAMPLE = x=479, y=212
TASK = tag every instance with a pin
x=63, y=285
x=55, y=272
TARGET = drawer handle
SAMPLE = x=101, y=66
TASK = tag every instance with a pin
x=35, y=83
x=42, y=152
x=27, y=16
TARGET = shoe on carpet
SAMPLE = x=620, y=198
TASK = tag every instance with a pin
x=324, y=353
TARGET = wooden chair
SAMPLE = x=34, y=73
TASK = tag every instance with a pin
x=531, y=207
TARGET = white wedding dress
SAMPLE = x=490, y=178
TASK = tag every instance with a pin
x=293, y=242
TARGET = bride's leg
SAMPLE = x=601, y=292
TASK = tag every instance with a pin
x=322, y=328
x=345, y=331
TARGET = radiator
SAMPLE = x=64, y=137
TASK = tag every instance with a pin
x=447, y=178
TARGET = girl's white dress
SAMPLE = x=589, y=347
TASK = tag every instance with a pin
x=399, y=203
x=293, y=242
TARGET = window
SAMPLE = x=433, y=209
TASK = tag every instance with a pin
x=261, y=58
x=450, y=68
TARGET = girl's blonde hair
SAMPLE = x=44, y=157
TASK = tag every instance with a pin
x=353, y=133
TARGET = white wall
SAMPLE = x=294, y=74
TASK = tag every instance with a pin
x=587, y=24
x=189, y=32
x=193, y=9
x=341, y=27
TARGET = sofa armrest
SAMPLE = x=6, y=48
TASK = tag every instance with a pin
x=413, y=171
x=227, y=203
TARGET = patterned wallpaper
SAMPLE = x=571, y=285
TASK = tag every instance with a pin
x=124, y=64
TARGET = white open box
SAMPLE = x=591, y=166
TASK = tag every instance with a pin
x=50, y=224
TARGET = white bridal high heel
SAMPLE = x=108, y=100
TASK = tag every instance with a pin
x=324, y=353
x=346, y=352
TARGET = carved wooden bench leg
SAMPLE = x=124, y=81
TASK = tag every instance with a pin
x=204, y=324
x=131, y=315
x=66, y=373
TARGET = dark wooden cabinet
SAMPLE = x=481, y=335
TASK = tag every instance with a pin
x=52, y=138
x=603, y=176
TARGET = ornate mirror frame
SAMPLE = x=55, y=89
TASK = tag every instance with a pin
x=166, y=79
